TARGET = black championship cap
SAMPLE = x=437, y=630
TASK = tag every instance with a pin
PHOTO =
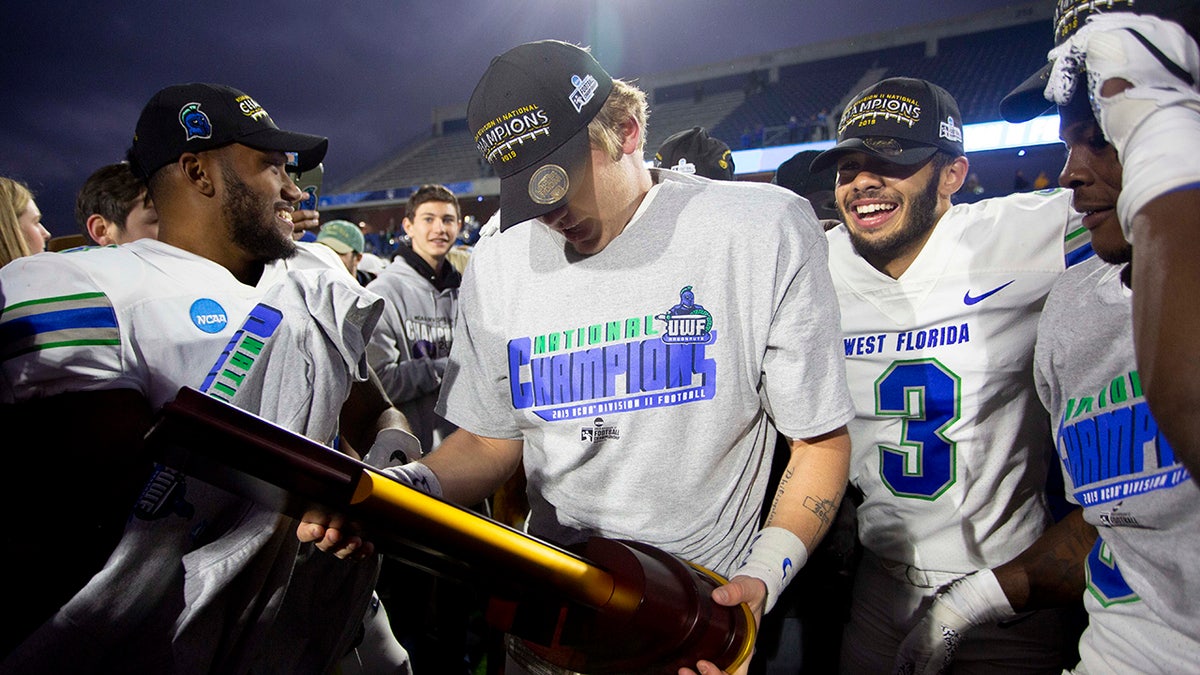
x=529, y=116
x=694, y=151
x=817, y=188
x=899, y=120
x=1028, y=100
x=196, y=117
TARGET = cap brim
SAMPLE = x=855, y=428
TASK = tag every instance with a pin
x=309, y=149
x=912, y=153
x=518, y=191
x=336, y=245
x=1028, y=100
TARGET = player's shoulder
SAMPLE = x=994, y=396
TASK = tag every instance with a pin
x=1046, y=209
x=105, y=269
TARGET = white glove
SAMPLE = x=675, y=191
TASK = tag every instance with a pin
x=1154, y=124
x=1156, y=56
x=967, y=602
x=392, y=446
x=416, y=476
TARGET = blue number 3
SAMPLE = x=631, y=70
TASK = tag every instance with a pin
x=926, y=394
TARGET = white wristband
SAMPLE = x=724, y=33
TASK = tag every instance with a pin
x=967, y=602
x=416, y=476
x=392, y=446
x=775, y=556
x=1159, y=157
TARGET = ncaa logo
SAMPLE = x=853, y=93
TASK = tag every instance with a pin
x=208, y=316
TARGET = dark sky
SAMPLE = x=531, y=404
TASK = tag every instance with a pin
x=366, y=74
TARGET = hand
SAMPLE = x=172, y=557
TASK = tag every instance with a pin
x=303, y=220
x=740, y=589
x=1135, y=64
x=967, y=602
x=333, y=534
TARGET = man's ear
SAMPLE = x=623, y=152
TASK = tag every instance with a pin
x=953, y=176
x=198, y=172
x=631, y=134
x=98, y=228
x=407, y=225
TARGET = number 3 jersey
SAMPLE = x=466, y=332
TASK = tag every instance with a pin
x=1143, y=583
x=950, y=443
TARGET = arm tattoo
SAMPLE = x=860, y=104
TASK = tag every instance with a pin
x=783, y=481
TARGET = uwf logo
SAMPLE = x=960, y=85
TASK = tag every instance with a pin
x=598, y=432
x=687, y=322
x=195, y=122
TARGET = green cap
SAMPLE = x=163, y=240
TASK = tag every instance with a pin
x=342, y=236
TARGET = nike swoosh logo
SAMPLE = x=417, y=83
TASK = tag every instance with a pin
x=969, y=299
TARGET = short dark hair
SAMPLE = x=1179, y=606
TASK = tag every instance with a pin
x=110, y=192
x=431, y=192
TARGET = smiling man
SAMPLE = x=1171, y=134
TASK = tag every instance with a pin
x=141, y=568
x=939, y=314
x=411, y=344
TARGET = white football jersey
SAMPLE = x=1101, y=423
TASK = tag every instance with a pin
x=146, y=316
x=950, y=442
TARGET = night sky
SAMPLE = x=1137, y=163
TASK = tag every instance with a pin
x=366, y=74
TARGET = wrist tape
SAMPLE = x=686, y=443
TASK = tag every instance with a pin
x=977, y=598
x=775, y=556
x=418, y=477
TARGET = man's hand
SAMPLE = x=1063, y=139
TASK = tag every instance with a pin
x=749, y=590
x=967, y=602
x=303, y=220
x=332, y=534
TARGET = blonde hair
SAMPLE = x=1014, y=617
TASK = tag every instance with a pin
x=604, y=131
x=14, y=198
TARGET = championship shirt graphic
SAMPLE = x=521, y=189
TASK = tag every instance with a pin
x=1112, y=448
x=622, y=365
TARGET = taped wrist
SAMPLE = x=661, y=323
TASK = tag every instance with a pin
x=976, y=599
x=392, y=446
x=418, y=477
x=775, y=556
x=1159, y=157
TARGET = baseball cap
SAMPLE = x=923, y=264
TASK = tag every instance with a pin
x=342, y=236
x=694, y=151
x=795, y=175
x=529, y=116
x=199, y=116
x=1028, y=100
x=901, y=120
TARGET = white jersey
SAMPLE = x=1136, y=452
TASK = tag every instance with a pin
x=950, y=444
x=156, y=347
x=1143, y=584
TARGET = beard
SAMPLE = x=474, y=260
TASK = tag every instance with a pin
x=251, y=228
x=921, y=219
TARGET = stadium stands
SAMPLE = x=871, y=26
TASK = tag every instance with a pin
x=978, y=61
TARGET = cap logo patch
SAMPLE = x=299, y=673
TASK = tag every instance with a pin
x=585, y=89
x=866, y=111
x=250, y=108
x=195, y=122
x=883, y=145
x=497, y=140
x=548, y=184
x=950, y=131
x=684, y=166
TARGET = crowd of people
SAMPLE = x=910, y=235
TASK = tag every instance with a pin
x=910, y=435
